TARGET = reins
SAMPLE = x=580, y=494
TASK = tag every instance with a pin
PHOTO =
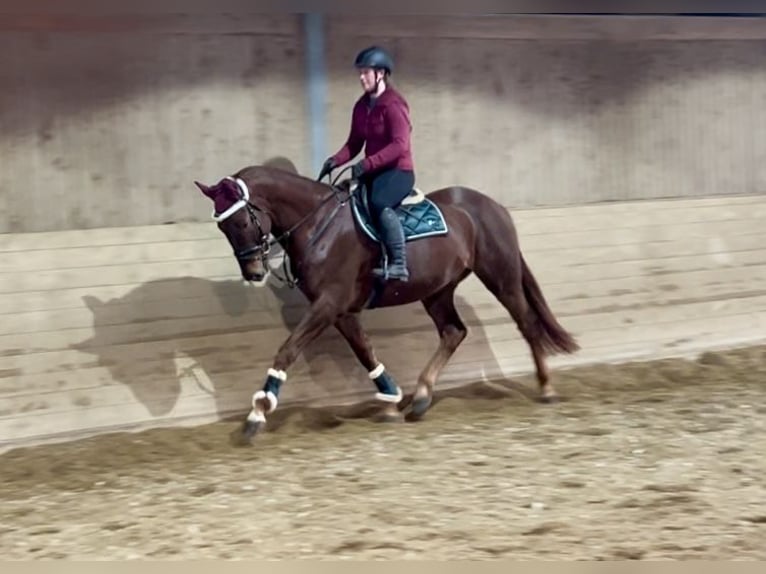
x=336, y=193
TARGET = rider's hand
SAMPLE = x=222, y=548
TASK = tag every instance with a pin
x=357, y=171
x=327, y=167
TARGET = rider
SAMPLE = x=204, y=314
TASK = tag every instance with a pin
x=381, y=122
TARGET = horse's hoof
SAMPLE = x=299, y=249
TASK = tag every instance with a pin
x=250, y=429
x=419, y=407
x=388, y=417
x=549, y=399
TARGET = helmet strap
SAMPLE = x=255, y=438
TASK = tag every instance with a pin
x=378, y=79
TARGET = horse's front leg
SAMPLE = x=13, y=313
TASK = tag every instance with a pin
x=389, y=392
x=319, y=316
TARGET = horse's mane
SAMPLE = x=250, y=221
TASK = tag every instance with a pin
x=281, y=168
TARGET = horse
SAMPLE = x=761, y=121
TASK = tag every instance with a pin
x=324, y=231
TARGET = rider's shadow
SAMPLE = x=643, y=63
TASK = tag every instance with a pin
x=212, y=341
x=200, y=338
x=184, y=335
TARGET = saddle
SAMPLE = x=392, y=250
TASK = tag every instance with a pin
x=420, y=217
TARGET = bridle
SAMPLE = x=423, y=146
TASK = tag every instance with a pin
x=263, y=246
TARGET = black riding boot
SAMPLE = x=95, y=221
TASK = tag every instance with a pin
x=392, y=235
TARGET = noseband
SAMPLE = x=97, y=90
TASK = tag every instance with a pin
x=264, y=246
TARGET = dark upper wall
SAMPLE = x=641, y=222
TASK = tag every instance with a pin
x=105, y=121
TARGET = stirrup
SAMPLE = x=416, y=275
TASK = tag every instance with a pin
x=381, y=270
x=386, y=274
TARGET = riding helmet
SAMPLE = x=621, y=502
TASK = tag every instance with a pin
x=374, y=57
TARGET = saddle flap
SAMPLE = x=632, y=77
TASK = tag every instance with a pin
x=420, y=217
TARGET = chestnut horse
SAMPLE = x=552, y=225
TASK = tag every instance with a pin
x=332, y=258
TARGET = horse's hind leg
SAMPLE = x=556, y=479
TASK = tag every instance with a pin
x=441, y=308
x=388, y=391
x=508, y=289
x=521, y=312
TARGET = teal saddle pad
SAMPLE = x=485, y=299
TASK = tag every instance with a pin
x=419, y=219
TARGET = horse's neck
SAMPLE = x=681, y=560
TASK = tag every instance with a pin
x=291, y=204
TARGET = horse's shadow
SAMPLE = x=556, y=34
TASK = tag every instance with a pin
x=162, y=345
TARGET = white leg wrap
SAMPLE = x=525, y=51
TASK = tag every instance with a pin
x=271, y=397
x=256, y=416
x=281, y=375
x=390, y=398
x=377, y=371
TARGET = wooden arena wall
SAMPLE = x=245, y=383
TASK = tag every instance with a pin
x=110, y=329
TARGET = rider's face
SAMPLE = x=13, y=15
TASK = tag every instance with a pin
x=368, y=77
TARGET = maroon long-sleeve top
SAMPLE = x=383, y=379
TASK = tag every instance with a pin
x=383, y=129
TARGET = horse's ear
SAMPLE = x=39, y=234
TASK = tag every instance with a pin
x=205, y=189
x=92, y=303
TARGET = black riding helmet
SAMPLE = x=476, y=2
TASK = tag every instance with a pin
x=374, y=57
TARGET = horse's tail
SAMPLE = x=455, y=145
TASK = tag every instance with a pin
x=553, y=337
